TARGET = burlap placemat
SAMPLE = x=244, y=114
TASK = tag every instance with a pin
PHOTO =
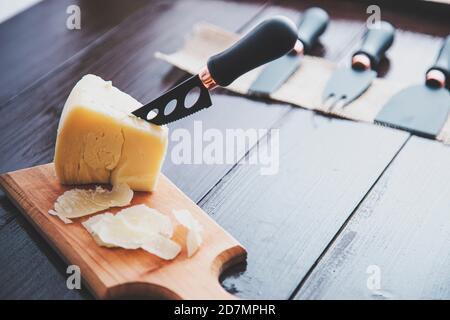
x=303, y=89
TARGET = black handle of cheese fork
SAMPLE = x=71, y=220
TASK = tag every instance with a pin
x=268, y=41
x=376, y=42
x=443, y=60
x=311, y=25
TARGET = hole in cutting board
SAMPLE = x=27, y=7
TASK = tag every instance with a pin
x=232, y=275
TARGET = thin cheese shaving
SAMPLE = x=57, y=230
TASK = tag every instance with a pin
x=77, y=203
x=135, y=227
x=145, y=219
x=161, y=246
x=194, y=237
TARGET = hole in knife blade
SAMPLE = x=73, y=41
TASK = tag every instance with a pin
x=152, y=114
x=170, y=107
x=192, y=97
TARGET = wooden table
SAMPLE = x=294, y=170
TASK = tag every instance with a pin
x=352, y=203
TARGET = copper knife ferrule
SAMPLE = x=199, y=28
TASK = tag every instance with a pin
x=207, y=79
x=361, y=61
x=436, y=78
x=299, y=48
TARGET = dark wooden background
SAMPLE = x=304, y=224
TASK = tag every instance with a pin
x=349, y=197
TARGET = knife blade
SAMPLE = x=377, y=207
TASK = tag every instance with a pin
x=422, y=109
x=268, y=41
x=311, y=26
x=346, y=84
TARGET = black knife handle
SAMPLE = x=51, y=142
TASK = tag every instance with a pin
x=377, y=41
x=443, y=59
x=268, y=41
x=311, y=25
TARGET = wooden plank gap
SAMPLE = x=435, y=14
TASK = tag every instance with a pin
x=338, y=233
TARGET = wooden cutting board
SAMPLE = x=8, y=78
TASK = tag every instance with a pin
x=121, y=273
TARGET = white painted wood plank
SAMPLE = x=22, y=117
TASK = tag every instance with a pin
x=401, y=231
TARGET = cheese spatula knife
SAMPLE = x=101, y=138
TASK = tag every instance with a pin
x=312, y=24
x=268, y=41
x=422, y=109
x=347, y=84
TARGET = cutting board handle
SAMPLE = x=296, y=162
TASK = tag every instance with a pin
x=120, y=273
x=209, y=290
x=208, y=286
x=195, y=280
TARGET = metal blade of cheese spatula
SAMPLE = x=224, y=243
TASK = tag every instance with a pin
x=268, y=41
x=422, y=109
x=312, y=24
x=346, y=84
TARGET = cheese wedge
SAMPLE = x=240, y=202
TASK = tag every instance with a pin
x=100, y=141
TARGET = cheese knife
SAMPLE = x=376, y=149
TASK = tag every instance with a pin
x=268, y=41
x=311, y=26
x=346, y=84
x=422, y=109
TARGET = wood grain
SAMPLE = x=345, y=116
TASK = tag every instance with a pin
x=258, y=114
x=42, y=275
x=400, y=232
x=136, y=72
x=37, y=41
x=326, y=166
x=125, y=55
x=408, y=66
x=113, y=273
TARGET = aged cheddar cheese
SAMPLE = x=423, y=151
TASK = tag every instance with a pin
x=100, y=141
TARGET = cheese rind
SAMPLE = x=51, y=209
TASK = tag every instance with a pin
x=100, y=141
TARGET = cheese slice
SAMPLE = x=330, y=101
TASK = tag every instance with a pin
x=135, y=227
x=194, y=237
x=100, y=141
x=146, y=220
x=77, y=203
